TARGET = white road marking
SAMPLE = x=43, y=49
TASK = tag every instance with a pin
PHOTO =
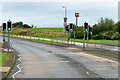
x=18, y=66
x=87, y=73
x=20, y=59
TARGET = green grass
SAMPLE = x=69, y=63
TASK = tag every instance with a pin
x=3, y=57
x=49, y=37
x=113, y=42
x=47, y=28
x=43, y=41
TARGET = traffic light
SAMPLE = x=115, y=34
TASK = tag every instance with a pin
x=9, y=25
x=71, y=26
x=65, y=19
x=74, y=27
x=85, y=26
x=89, y=28
x=4, y=27
x=67, y=28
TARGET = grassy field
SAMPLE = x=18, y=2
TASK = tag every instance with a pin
x=3, y=57
x=57, y=29
x=53, y=33
x=38, y=32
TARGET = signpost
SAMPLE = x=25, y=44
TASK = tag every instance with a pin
x=76, y=15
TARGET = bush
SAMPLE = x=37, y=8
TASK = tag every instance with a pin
x=109, y=35
x=78, y=33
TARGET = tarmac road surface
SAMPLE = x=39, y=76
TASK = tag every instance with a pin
x=39, y=60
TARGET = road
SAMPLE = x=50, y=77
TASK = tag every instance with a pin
x=41, y=61
x=37, y=60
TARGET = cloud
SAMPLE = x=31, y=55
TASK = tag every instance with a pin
x=52, y=13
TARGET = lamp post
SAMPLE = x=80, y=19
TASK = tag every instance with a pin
x=65, y=11
x=65, y=21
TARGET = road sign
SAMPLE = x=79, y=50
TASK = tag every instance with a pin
x=76, y=14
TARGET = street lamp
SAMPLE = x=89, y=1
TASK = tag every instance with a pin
x=65, y=21
x=65, y=11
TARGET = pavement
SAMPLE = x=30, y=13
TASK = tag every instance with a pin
x=37, y=60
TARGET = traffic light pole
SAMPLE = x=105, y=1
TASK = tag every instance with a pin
x=4, y=39
x=74, y=28
x=68, y=37
x=65, y=34
x=84, y=42
x=3, y=36
x=87, y=36
x=8, y=41
x=74, y=35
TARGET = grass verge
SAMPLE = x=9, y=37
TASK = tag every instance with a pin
x=107, y=42
x=3, y=57
x=42, y=41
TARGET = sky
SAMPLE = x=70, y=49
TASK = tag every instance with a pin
x=50, y=13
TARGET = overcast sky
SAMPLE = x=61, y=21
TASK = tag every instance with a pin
x=49, y=13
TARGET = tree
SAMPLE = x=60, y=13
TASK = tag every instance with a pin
x=106, y=24
x=17, y=25
x=117, y=26
x=95, y=29
x=21, y=25
x=32, y=26
x=26, y=26
x=105, y=29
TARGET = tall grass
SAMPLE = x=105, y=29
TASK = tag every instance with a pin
x=55, y=29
